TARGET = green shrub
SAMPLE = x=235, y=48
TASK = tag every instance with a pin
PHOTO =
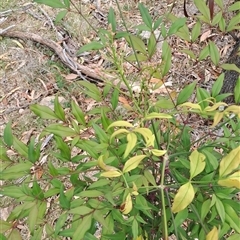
x=133, y=173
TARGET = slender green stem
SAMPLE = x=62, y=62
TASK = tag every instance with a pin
x=174, y=225
x=165, y=225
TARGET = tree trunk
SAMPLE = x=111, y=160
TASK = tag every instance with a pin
x=231, y=76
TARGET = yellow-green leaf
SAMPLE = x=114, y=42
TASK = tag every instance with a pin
x=132, y=140
x=157, y=152
x=147, y=134
x=111, y=174
x=157, y=115
x=126, y=206
x=213, y=235
x=120, y=124
x=119, y=131
x=105, y=167
x=233, y=108
x=183, y=197
x=230, y=162
x=191, y=105
x=217, y=118
x=215, y=106
x=197, y=163
x=132, y=163
x=231, y=181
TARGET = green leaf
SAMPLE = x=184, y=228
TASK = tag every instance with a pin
x=237, y=92
x=157, y=23
x=101, y=135
x=204, y=53
x=222, y=24
x=2, y=237
x=181, y=217
x=14, y=235
x=59, y=17
x=145, y=15
x=7, y=135
x=230, y=162
x=152, y=45
x=90, y=193
x=217, y=18
x=189, y=53
x=202, y=7
x=234, y=7
x=59, y=110
x=83, y=227
x=136, y=57
x=78, y=113
x=67, y=3
x=12, y=191
x=235, y=236
x=114, y=98
x=148, y=175
x=185, y=94
x=234, y=23
x=136, y=43
x=176, y=25
x=196, y=31
x=214, y=53
x=205, y=208
x=81, y=210
x=59, y=130
x=60, y=222
x=37, y=192
x=64, y=202
x=197, y=163
x=94, y=45
x=217, y=86
x=135, y=228
x=228, y=66
x=20, y=147
x=166, y=58
x=98, y=215
x=4, y=226
x=43, y=111
x=232, y=218
x=183, y=197
x=202, y=94
x=33, y=155
x=112, y=19
x=92, y=91
x=220, y=209
x=65, y=151
x=132, y=163
x=32, y=218
x=51, y=3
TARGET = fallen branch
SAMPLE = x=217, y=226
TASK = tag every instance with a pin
x=84, y=72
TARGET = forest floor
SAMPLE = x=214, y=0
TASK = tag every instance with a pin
x=31, y=72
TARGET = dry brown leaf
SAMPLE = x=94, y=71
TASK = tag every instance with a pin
x=205, y=35
x=71, y=76
x=123, y=100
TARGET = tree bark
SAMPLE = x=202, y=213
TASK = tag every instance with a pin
x=231, y=76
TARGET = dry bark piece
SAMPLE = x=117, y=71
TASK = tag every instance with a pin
x=230, y=79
